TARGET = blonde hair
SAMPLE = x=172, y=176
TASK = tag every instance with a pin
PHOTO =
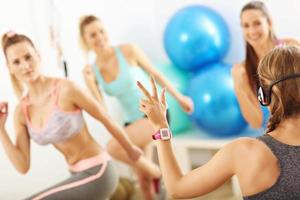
x=278, y=63
x=8, y=39
x=84, y=21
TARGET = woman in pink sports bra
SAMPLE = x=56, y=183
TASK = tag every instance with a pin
x=260, y=38
x=92, y=174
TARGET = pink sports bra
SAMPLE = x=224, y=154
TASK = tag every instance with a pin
x=60, y=125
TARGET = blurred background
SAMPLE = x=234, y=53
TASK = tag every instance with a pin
x=142, y=22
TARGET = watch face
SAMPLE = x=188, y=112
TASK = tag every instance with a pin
x=165, y=134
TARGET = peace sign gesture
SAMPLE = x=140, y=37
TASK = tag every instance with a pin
x=154, y=107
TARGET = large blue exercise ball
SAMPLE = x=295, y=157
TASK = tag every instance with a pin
x=216, y=108
x=195, y=36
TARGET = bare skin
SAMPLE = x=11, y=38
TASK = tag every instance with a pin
x=256, y=31
x=23, y=62
x=251, y=160
x=96, y=39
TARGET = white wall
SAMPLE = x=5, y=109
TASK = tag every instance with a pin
x=138, y=21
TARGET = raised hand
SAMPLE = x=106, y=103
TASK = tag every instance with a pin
x=154, y=107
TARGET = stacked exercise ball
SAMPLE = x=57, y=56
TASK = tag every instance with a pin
x=216, y=107
x=196, y=36
x=196, y=40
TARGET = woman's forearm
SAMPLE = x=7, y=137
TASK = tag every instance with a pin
x=166, y=83
x=250, y=111
x=14, y=154
x=169, y=166
x=118, y=133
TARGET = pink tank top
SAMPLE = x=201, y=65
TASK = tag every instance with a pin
x=60, y=125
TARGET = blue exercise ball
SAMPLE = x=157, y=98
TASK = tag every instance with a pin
x=216, y=108
x=195, y=36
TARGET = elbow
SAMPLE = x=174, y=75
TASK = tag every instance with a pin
x=175, y=194
x=23, y=170
x=181, y=194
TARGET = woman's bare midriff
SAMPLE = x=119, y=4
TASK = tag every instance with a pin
x=79, y=147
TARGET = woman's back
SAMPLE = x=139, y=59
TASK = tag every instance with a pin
x=268, y=168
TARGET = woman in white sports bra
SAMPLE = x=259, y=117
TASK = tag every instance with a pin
x=92, y=174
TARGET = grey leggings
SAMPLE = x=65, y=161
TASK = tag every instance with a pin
x=84, y=185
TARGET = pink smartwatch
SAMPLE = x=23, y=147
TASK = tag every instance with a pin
x=162, y=134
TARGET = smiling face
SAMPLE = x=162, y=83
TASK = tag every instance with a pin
x=95, y=36
x=23, y=61
x=256, y=27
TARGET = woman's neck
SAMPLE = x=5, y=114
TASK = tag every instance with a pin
x=288, y=131
x=38, y=87
x=103, y=54
x=262, y=50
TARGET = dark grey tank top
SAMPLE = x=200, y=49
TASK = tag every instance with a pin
x=287, y=186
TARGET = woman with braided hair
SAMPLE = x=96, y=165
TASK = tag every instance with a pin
x=267, y=167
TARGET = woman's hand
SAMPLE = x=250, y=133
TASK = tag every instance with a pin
x=87, y=70
x=3, y=114
x=186, y=103
x=153, y=107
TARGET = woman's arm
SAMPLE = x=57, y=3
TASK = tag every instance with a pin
x=18, y=154
x=197, y=182
x=144, y=62
x=86, y=102
x=248, y=102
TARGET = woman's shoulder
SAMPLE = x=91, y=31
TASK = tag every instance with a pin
x=65, y=86
x=129, y=49
x=249, y=149
x=126, y=46
x=244, y=143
